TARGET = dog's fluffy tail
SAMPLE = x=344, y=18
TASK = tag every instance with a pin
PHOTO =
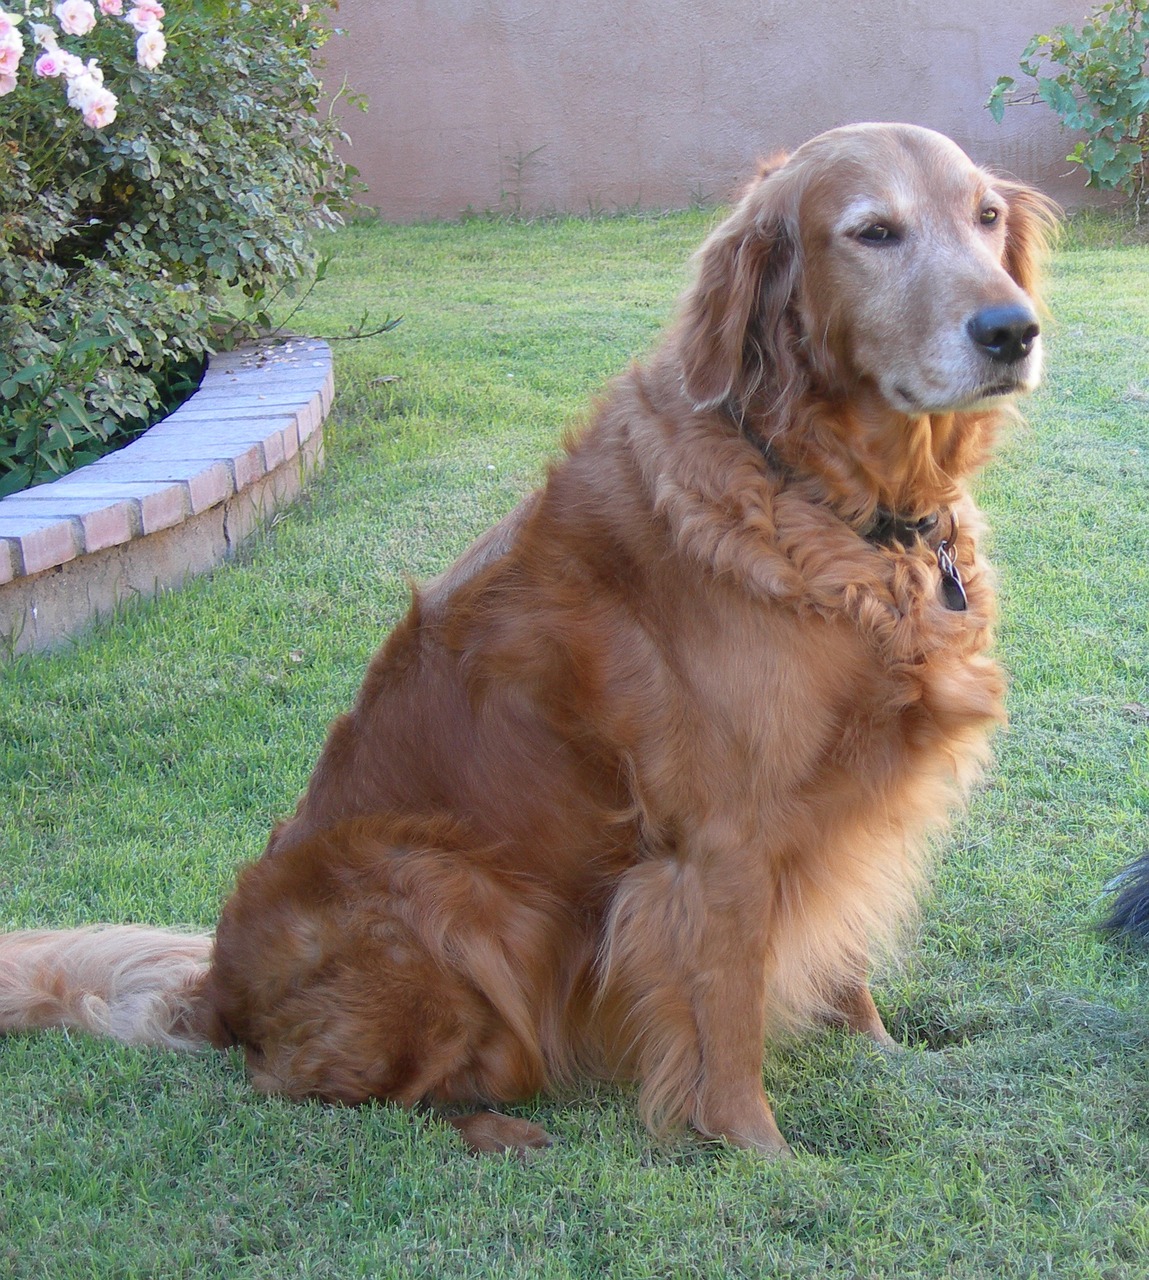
x=133, y=984
x=1130, y=912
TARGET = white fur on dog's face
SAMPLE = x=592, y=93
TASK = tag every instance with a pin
x=904, y=244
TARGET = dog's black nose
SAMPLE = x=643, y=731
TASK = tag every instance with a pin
x=1006, y=333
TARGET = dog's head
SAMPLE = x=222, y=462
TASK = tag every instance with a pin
x=875, y=254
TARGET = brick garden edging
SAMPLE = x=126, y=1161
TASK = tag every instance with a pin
x=171, y=504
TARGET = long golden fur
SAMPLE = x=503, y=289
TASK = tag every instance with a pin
x=646, y=776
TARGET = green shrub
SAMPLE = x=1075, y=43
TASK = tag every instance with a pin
x=1102, y=90
x=127, y=252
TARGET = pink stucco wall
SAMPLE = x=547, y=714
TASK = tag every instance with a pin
x=577, y=105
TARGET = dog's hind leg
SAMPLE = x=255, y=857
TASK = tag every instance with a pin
x=852, y=1007
x=491, y=1132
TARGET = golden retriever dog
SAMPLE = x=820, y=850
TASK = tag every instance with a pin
x=647, y=776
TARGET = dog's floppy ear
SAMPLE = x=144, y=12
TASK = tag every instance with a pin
x=1031, y=224
x=732, y=330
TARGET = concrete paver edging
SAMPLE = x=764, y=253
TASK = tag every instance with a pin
x=171, y=504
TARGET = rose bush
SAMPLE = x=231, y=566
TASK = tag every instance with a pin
x=1096, y=80
x=161, y=169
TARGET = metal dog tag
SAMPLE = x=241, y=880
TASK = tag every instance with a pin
x=953, y=593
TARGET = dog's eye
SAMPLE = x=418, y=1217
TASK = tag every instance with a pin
x=990, y=217
x=877, y=233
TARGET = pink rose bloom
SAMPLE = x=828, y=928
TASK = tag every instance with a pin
x=76, y=17
x=82, y=87
x=9, y=21
x=7, y=84
x=150, y=49
x=100, y=109
x=151, y=6
x=87, y=94
x=112, y=8
x=82, y=77
x=11, y=51
x=143, y=19
x=49, y=65
x=70, y=65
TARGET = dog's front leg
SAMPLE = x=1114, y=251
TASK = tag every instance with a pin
x=729, y=1003
x=683, y=992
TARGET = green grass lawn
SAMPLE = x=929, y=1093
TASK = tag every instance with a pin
x=138, y=768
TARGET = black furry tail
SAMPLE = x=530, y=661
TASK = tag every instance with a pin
x=1130, y=913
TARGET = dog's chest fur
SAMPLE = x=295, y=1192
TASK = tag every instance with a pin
x=747, y=650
